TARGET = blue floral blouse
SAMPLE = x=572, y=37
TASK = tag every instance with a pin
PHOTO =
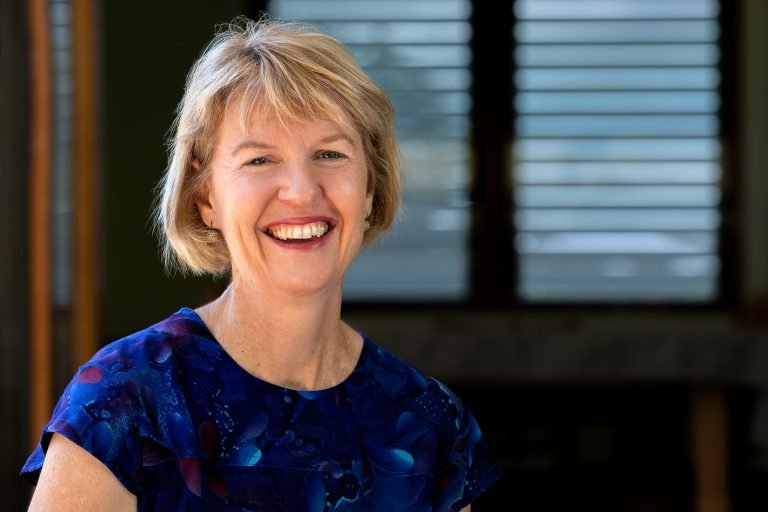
x=183, y=427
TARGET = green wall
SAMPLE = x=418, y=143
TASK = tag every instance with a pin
x=148, y=48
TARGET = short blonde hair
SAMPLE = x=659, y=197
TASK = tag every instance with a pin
x=297, y=72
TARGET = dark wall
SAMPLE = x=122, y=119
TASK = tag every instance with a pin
x=13, y=252
x=147, y=49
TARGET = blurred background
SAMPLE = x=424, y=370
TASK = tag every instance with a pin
x=582, y=255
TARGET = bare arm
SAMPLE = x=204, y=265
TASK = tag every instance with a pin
x=74, y=480
x=466, y=509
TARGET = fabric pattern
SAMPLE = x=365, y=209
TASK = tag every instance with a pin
x=183, y=427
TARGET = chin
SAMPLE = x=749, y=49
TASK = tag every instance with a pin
x=310, y=284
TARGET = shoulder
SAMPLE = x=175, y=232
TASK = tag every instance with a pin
x=413, y=389
x=134, y=376
x=146, y=349
x=429, y=412
x=382, y=361
x=132, y=386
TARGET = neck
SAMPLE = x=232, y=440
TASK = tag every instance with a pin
x=297, y=342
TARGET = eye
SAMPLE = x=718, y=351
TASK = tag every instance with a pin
x=330, y=155
x=259, y=160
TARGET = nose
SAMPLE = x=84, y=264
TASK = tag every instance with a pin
x=299, y=185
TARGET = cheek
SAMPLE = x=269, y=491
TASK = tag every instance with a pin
x=355, y=187
x=241, y=200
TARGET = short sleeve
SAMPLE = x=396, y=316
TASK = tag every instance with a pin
x=469, y=470
x=97, y=411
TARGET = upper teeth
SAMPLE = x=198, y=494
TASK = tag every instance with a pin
x=301, y=232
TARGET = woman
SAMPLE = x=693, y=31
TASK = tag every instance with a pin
x=283, y=165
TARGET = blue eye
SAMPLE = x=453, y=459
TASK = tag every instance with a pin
x=330, y=155
x=260, y=160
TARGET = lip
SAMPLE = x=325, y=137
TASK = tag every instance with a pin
x=296, y=221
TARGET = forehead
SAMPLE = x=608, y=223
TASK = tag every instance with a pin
x=246, y=115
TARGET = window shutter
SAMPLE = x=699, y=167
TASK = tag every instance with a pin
x=616, y=158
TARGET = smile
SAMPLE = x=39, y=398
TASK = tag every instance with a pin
x=308, y=231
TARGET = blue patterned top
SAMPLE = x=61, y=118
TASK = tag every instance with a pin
x=184, y=427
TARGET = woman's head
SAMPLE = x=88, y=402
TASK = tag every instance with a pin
x=294, y=74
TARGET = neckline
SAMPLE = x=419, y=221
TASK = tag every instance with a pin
x=191, y=314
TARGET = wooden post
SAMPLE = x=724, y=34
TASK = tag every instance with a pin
x=40, y=138
x=709, y=445
x=85, y=309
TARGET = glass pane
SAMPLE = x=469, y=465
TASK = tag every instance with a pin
x=616, y=161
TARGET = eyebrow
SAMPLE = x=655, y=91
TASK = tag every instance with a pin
x=337, y=136
x=254, y=144
x=246, y=144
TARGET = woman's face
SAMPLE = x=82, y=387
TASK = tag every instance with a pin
x=289, y=199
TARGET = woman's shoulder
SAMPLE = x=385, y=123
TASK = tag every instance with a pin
x=155, y=345
x=137, y=383
x=409, y=385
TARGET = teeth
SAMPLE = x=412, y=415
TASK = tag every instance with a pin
x=305, y=232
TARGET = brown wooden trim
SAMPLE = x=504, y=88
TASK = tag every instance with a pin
x=709, y=446
x=85, y=180
x=40, y=140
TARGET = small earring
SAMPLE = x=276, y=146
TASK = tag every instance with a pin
x=366, y=225
x=212, y=234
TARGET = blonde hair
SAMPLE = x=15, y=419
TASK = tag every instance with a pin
x=298, y=73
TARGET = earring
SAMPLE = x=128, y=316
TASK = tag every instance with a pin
x=212, y=234
x=366, y=225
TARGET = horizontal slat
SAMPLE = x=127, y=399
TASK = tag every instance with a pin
x=431, y=79
x=616, y=243
x=579, y=268
x=556, y=102
x=399, y=32
x=432, y=102
x=617, y=55
x=617, y=149
x=617, y=78
x=433, y=126
x=616, y=172
x=616, y=126
x=662, y=291
x=411, y=55
x=626, y=219
x=380, y=10
x=656, y=31
x=615, y=10
x=617, y=195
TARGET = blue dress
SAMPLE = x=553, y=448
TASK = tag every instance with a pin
x=183, y=427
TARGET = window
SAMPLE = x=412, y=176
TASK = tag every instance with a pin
x=607, y=172
x=616, y=161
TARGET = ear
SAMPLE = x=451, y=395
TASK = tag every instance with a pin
x=203, y=198
x=368, y=204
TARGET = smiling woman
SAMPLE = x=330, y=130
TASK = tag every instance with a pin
x=272, y=183
x=283, y=165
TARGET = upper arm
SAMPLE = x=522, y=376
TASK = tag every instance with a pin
x=74, y=480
